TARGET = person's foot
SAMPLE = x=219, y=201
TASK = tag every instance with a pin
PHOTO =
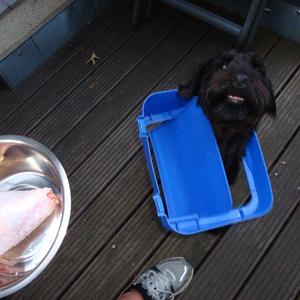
x=166, y=280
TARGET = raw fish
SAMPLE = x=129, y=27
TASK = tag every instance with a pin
x=21, y=212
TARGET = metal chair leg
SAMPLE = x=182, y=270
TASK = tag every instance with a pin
x=251, y=24
x=246, y=32
x=136, y=12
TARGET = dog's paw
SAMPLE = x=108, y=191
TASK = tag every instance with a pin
x=185, y=91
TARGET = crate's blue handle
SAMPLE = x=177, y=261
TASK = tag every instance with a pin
x=146, y=144
x=261, y=200
x=143, y=122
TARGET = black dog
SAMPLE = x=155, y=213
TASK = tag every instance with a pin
x=234, y=92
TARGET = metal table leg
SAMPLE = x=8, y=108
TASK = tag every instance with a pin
x=251, y=24
x=151, y=7
x=136, y=12
x=244, y=33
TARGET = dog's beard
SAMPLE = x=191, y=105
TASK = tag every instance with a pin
x=227, y=105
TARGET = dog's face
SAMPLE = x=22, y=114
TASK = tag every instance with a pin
x=235, y=89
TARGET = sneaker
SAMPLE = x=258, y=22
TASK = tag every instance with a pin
x=166, y=280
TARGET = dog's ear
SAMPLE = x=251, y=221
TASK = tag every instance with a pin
x=192, y=87
x=270, y=104
x=258, y=64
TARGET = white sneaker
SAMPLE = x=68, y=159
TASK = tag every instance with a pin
x=167, y=279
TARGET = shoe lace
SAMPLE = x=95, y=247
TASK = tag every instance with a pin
x=158, y=284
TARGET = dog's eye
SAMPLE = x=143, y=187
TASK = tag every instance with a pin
x=224, y=67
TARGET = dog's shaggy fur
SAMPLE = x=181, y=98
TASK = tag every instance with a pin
x=234, y=92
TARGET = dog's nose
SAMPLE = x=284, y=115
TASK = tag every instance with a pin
x=241, y=80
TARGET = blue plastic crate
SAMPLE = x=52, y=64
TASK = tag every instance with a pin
x=196, y=195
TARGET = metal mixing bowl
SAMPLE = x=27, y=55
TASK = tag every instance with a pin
x=26, y=164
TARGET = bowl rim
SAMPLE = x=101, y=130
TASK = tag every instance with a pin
x=66, y=192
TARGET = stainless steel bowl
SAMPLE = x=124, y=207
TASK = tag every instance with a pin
x=26, y=164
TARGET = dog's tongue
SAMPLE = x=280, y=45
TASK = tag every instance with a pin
x=235, y=99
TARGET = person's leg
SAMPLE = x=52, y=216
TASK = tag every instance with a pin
x=131, y=295
x=162, y=282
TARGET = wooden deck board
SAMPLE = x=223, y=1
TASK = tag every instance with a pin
x=12, y=100
x=113, y=109
x=86, y=115
x=123, y=254
x=37, y=107
x=194, y=38
x=187, y=243
x=278, y=275
x=240, y=250
x=103, y=80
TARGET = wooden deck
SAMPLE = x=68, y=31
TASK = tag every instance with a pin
x=86, y=114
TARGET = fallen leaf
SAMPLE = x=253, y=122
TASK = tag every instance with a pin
x=93, y=59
